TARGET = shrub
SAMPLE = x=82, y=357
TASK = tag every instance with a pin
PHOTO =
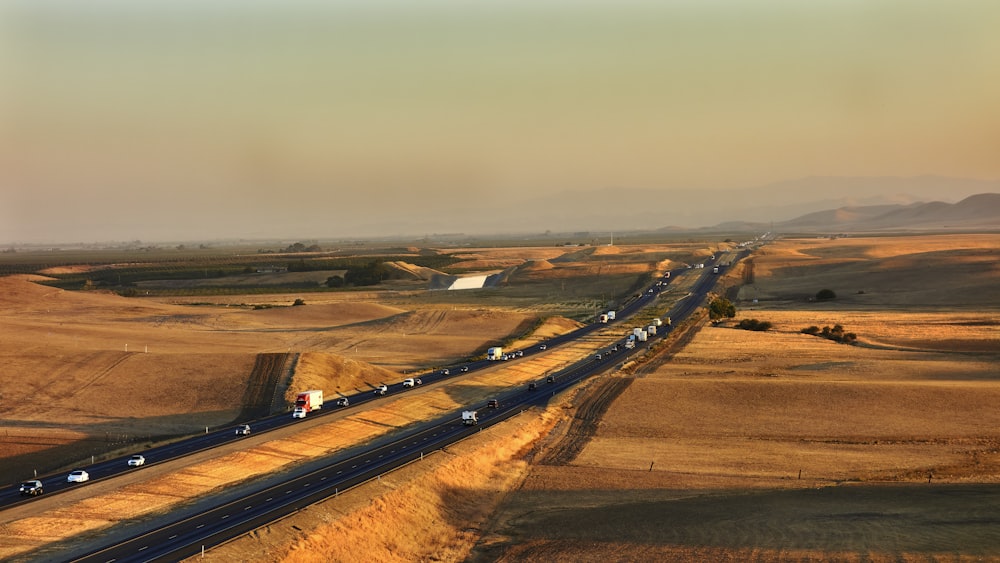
x=825, y=295
x=835, y=333
x=298, y=302
x=754, y=324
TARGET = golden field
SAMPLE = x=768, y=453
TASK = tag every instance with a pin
x=771, y=446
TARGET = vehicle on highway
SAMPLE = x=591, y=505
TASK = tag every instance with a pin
x=598, y=357
x=550, y=379
x=410, y=382
x=542, y=347
x=532, y=386
x=492, y=404
x=299, y=412
x=243, y=430
x=464, y=369
x=520, y=353
x=343, y=402
x=136, y=461
x=78, y=476
x=32, y=488
x=381, y=390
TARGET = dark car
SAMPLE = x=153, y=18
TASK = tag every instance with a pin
x=33, y=488
x=532, y=387
x=492, y=404
x=550, y=379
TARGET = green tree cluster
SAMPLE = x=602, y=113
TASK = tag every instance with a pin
x=369, y=274
x=721, y=308
x=825, y=295
x=835, y=333
x=754, y=324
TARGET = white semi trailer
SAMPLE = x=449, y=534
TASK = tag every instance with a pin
x=470, y=418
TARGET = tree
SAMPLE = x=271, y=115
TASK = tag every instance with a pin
x=370, y=274
x=825, y=295
x=299, y=302
x=721, y=308
x=335, y=281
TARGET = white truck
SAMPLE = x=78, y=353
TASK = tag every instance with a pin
x=602, y=318
x=611, y=315
x=494, y=353
x=651, y=330
x=642, y=336
x=470, y=418
x=715, y=270
x=657, y=322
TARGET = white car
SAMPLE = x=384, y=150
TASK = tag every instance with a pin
x=243, y=430
x=136, y=461
x=542, y=347
x=78, y=476
x=299, y=412
x=343, y=402
x=381, y=390
x=409, y=382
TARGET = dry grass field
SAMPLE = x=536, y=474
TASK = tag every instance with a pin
x=740, y=446
x=779, y=446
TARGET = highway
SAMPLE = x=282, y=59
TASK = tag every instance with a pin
x=279, y=496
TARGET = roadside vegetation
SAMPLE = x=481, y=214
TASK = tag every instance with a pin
x=835, y=333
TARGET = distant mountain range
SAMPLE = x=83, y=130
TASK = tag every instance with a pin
x=792, y=203
x=976, y=212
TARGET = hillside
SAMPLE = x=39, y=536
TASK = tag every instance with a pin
x=976, y=212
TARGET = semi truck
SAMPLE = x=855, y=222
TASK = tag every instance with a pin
x=651, y=330
x=470, y=418
x=494, y=353
x=642, y=336
x=611, y=315
x=308, y=401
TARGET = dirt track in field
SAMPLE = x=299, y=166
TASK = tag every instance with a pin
x=585, y=420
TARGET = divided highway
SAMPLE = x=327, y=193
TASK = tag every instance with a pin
x=283, y=495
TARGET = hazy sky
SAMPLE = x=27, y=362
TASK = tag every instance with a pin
x=182, y=120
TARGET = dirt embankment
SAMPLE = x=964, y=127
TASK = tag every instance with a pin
x=432, y=510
